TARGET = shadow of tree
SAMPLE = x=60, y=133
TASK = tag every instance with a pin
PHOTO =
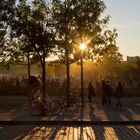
x=123, y=132
x=14, y=132
x=98, y=131
x=126, y=132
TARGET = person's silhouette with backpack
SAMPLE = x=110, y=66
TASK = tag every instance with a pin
x=109, y=92
x=104, y=92
x=118, y=94
x=91, y=92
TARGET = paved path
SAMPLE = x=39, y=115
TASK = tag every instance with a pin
x=12, y=108
x=16, y=109
x=69, y=133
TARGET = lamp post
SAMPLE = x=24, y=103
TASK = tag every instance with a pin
x=82, y=47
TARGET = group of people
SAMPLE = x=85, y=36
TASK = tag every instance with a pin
x=13, y=81
x=106, y=93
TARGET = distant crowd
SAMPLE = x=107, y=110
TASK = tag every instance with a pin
x=106, y=92
x=13, y=81
x=57, y=86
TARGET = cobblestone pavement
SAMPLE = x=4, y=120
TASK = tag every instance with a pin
x=69, y=133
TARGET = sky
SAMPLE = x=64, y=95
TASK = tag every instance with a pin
x=125, y=17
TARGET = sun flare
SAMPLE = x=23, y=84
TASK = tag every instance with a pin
x=82, y=46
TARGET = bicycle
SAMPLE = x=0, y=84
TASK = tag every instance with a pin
x=39, y=104
x=75, y=101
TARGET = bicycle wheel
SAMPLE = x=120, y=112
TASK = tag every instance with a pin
x=35, y=109
x=53, y=109
x=63, y=102
x=75, y=101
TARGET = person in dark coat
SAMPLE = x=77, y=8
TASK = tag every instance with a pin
x=104, y=92
x=118, y=94
x=109, y=92
x=91, y=92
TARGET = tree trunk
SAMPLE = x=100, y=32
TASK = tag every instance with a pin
x=43, y=80
x=68, y=82
x=82, y=85
x=67, y=58
x=44, y=75
x=28, y=59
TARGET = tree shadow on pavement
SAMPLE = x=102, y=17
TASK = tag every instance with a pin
x=14, y=132
x=135, y=108
x=126, y=132
x=122, y=131
x=97, y=130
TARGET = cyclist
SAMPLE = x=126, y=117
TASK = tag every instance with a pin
x=91, y=92
x=34, y=91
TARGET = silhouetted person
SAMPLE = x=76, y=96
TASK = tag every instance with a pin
x=34, y=85
x=91, y=92
x=35, y=92
x=109, y=92
x=118, y=94
x=104, y=92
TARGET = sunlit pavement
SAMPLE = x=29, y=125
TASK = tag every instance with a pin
x=16, y=109
x=69, y=133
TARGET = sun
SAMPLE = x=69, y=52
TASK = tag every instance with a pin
x=82, y=46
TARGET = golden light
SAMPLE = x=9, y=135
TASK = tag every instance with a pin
x=82, y=46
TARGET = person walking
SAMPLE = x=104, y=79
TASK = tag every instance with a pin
x=104, y=92
x=35, y=94
x=109, y=92
x=118, y=94
x=91, y=92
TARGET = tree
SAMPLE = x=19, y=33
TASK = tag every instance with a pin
x=76, y=21
x=6, y=13
x=111, y=52
x=32, y=22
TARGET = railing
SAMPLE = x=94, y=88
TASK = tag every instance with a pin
x=71, y=123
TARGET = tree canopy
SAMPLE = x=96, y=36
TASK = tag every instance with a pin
x=36, y=29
